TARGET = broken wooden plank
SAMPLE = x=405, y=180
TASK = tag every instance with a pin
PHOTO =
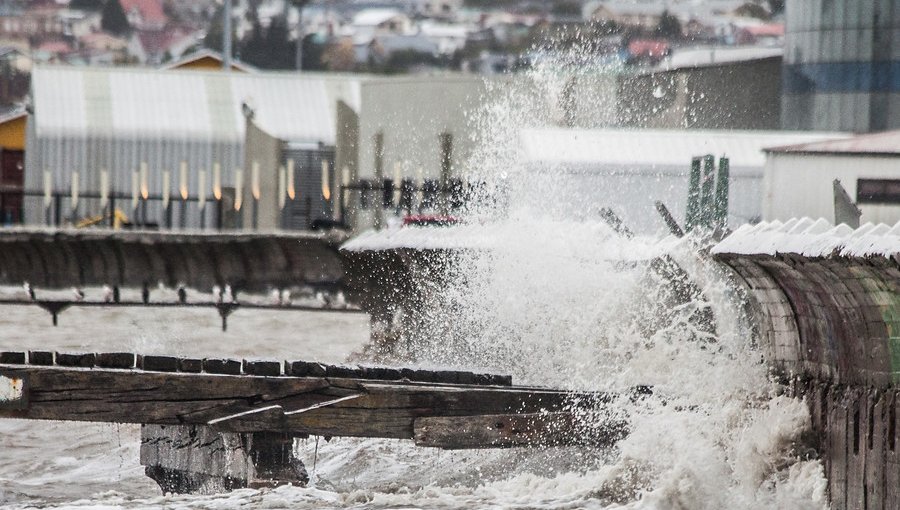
x=133, y=396
x=515, y=430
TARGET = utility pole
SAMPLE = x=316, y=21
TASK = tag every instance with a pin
x=298, y=54
x=226, y=36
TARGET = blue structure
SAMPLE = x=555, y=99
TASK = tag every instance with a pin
x=842, y=65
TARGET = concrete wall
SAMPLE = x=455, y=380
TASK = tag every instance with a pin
x=346, y=157
x=265, y=150
x=796, y=185
x=831, y=326
x=740, y=95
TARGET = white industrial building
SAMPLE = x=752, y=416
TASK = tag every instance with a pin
x=628, y=170
x=89, y=120
x=798, y=177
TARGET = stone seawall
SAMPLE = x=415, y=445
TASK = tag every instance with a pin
x=827, y=308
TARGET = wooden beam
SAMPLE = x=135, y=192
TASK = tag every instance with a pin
x=295, y=406
x=516, y=430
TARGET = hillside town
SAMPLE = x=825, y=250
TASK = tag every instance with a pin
x=374, y=36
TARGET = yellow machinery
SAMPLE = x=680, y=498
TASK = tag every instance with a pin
x=119, y=219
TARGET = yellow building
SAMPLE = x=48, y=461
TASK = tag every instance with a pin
x=206, y=60
x=12, y=131
x=12, y=160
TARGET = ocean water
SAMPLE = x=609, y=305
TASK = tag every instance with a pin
x=560, y=301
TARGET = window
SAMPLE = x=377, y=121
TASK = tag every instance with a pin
x=878, y=191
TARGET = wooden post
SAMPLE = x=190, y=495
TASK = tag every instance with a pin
x=379, y=174
x=693, y=204
x=196, y=459
x=446, y=141
x=721, y=204
x=706, y=191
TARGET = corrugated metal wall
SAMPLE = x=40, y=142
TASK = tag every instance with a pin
x=89, y=120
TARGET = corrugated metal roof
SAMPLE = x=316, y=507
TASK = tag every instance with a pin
x=887, y=142
x=648, y=147
x=126, y=102
x=811, y=238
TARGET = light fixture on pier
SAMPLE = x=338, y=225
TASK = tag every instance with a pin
x=326, y=185
x=217, y=181
x=145, y=186
x=183, y=181
x=291, y=192
x=238, y=189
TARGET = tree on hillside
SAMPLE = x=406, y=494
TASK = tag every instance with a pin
x=339, y=55
x=86, y=5
x=113, y=19
x=313, y=51
x=280, y=47
x=668, y=26
x=213, y=38
x=752, y=10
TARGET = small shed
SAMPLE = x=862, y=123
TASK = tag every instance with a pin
x=798, y=177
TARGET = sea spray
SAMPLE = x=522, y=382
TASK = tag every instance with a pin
x=562, y=299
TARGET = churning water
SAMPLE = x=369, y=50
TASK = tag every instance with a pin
x=560, y=299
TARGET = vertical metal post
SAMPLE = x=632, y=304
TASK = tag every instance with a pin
x=182, y=220
x=693, y=203
x=298, y=56
x=706, y=191
x=226, y=35
x=112, y=210
x=379, y=173
x=722, y=184
x=446, y=140
x=58, y=212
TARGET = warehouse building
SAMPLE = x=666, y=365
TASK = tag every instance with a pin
x=131, y=131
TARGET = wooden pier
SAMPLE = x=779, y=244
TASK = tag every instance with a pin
x=214, y=424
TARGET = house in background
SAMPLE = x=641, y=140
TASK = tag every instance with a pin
x=206, y=59
x=145, y=14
